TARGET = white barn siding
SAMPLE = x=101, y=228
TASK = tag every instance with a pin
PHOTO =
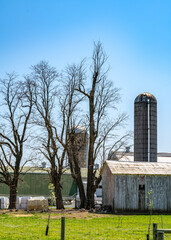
x=125, y=192
x=108, y=187
x=161, y=192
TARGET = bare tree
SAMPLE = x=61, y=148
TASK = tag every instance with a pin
x=56, y=104
x=71, y=117
x=46, y=81
x=101, y=97
x=16, y=108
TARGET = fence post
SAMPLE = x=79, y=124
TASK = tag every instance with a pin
x=62, y=228
x=148, y=237
x=154, y=231
x=160, y=236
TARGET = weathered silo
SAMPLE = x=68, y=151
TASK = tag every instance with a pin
x=145, y=128
x=79, y=145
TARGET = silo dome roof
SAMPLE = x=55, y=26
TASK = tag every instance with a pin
x=145, y=97
x=78, y=129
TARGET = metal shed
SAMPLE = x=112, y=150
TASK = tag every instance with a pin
x=125, y=186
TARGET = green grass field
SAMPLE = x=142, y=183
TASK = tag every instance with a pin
x=23, y=225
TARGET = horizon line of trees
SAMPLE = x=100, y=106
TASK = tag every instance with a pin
x=39, y=117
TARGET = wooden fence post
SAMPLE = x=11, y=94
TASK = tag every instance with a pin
x=62, y=228
x=154, y=231
x=160, y=236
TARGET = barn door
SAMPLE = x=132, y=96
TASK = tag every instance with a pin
x=141, y=194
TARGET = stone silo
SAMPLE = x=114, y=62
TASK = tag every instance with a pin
x=79, y=145
x=145, y=128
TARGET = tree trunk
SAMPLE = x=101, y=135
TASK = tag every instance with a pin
x=14, y=184
x=73, y=151
x=76, y=174
x=81, y=191
x=90, y=187
x=90, y=178
x=58, y=195
x=56, y=180
x=13, y=196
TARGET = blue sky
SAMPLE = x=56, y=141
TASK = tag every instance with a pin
x=136, y=36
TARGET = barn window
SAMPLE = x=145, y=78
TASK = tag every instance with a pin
x=141, y=187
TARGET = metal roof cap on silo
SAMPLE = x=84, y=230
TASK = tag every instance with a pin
x=145, y=97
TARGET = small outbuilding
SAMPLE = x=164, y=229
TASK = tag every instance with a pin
x=136, y=186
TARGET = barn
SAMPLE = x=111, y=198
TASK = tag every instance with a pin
x=35, y=182
x=137, y=186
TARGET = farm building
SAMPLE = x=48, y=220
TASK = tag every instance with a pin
x=36, y=183
x=140, y=180
x=126, y=186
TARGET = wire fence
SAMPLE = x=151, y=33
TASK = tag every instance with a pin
x=23, y=225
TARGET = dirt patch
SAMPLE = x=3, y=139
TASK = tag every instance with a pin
x=57, y=214
x=73, y=213
x=23, y=215
x=78, y=215
x=16, y=213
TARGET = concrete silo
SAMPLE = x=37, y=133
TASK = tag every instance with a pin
x=145, y=128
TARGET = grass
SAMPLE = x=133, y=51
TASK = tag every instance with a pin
x=79, y=226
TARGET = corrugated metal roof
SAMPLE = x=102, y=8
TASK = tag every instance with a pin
x=160, y=159
x=139, y=168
